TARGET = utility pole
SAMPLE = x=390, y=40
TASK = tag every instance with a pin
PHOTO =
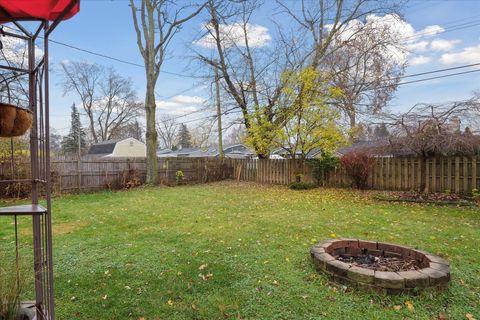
x=219, y=113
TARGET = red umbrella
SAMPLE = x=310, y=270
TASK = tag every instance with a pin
x=17, y=10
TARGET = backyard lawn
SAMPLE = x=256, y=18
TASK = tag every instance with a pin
x=241, y=251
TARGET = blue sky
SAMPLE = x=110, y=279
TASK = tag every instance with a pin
x=106, y=27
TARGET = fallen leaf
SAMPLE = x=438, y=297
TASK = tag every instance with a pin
x=396, y=307
x=469, y=316
x=105, y=297
x=202, y=267
x=409, y=305
x=170, y=302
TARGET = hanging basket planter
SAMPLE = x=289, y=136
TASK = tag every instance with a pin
x=14, y=121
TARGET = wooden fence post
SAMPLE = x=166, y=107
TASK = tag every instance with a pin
x=457, y=174
x=474, y=173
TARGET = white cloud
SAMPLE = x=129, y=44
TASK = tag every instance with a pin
x=419, y=60
x=443, y=45
x=233, y=34
x=406, y=41
x=467, y=55
x=181, y=104
x=418, y=46
x=430, y=31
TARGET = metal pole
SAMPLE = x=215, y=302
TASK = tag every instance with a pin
x=48, y=187
x=37, y=241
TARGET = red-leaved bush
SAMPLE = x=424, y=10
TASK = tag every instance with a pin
x=357, y=166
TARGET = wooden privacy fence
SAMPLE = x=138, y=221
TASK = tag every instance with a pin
x=70, y=174
x=454, y=174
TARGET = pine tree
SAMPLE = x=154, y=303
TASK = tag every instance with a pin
x=76, y=136
x=184, y=137
x=381, y=131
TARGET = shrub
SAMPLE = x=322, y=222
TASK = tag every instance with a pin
x=476, y=195
x=322, y=166
x=131, y=179
x=179, y=176
x=301, y=185
x=357, y=166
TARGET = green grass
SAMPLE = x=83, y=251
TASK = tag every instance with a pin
x=134, y=254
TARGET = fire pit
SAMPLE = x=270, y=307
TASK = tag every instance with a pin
x=381, y=267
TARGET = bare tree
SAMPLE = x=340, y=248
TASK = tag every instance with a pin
x=156, y=23
x=254, y=76
x=365, y=68
x=83, y=78
x=346, y=40
x=14, y=84
x=236, y=135
x=132, y=129
x=117, y=107
x=202, y=134
x=249, y=72
x=108, y=99
x=167, y=128
x=430, y=130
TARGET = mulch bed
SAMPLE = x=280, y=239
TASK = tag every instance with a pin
x=376, y=263
x=433, y=198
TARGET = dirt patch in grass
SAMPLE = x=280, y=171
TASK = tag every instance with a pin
x=59, y=228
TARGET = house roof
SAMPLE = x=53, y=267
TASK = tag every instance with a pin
x=379, y=147
x=237, y=150
x=106, y=147
x=285, y=152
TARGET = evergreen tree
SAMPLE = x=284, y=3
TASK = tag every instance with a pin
x=381, y=132
x=76, y=136
x=184, y=137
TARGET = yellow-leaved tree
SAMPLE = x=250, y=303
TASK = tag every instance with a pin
x=312, y=121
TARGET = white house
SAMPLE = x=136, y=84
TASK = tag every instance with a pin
x=126, y=148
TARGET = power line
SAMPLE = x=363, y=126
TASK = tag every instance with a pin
x=460, y=26
x=102, y=55
x=428, y=79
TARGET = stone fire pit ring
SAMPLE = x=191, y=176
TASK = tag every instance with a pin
x=433, y=272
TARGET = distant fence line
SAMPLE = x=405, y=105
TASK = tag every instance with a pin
x=456, y=174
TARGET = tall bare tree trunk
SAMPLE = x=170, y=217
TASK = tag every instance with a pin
x=159, y=22
x=151, y=135
x=219, y=113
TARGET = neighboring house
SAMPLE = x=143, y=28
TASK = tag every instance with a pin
x=234, y=151
x=239, y=151
x=283, y=153
x=126, y=148
x=380, y=148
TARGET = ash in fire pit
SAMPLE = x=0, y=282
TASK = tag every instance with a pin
x=379, y=263
x=380, y=266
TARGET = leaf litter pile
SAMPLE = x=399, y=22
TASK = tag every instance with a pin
x=368, y=261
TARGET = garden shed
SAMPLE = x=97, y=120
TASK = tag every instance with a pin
x=126, y=148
